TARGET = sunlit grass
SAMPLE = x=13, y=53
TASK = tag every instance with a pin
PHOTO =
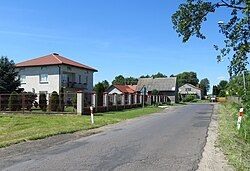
x=15, y=128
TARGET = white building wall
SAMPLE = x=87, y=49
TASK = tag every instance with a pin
x=54, y=79
x=182, y=90
x=33, y=79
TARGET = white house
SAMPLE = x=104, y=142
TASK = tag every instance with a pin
x=52, y=72
x=189, y=89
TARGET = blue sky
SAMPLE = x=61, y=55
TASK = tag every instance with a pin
x=128, y=37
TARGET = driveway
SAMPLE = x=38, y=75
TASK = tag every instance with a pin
x=171, y=140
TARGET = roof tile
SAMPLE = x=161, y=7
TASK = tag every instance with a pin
x=53, y=59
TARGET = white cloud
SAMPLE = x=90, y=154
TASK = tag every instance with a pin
x=221, y=78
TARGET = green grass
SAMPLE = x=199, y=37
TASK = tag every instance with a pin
x=15, y=128
x=234, y=145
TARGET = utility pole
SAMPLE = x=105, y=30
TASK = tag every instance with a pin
x=244, y=82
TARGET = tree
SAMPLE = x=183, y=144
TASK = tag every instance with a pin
x=235, y=86
x=223, y=85
x=43, y=102
x=131, y=81
x=145, y=76
x=159, y=75
x=120, y=80
x=105, y=84
x=155, y=92
x=9, y=75
x=205, y=86
x=187, y=77
x=215, y=90
x=54, y=102
x=188, y=19
x=100, y=88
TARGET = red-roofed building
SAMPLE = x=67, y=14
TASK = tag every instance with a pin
x=52, y=72
x=122, y=89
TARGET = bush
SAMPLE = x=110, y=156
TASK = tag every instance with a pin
x=4, y=101
x=61, y=101
x=222, y=93
x=74, y=101
x=188, y=98
x=43, y=102
x=14, y=102
x=29, y=99
x=54, y=102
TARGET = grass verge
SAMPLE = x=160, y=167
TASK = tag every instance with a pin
x=15, y=128
x=234, y=146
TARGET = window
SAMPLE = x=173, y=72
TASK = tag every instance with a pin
x=87, y=79
x=188, y=89
x=23, y=79
x=43, y=78
x=80, y=79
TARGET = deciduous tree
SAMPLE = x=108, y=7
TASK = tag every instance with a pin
x=204, y=85
x=188, y=19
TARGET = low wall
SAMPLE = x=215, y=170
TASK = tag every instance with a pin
x=234, y=99
x=103, y=109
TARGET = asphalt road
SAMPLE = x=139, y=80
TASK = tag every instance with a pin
x=171, y=140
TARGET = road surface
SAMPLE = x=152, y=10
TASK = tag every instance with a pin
x=171, y=140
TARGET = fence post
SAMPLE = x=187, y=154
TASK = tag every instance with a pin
x=135, y=98
x=23, y=102
x=141, y=97
x=123, y=100
x=129, y=99
x=115, y=100
x=240, y=118
x=0, y=102
x=80, y=102
x=93, y=99
x=105, y=100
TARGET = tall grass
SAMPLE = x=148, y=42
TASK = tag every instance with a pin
x=235, y=144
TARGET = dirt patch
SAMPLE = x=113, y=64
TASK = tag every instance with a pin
x=213, y=158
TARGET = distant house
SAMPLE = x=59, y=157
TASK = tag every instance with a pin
x=164, y=86
x=52, y=72
x=121, y=89
x=189, y=89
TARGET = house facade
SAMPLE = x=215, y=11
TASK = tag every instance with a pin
x=54, y=72
x=125, y=90
x=165, y=86
x=189, y=89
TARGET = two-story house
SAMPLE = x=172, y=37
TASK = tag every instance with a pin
x=52, y=72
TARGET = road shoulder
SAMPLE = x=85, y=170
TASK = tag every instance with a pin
x=213, y=158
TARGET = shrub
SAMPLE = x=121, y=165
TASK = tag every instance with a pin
x=74, y=101
x=188, y=98
x=4, y=101
x=29, y=99
x=14, y=102
x=54, y=101
x=61, y=101
x=43, y=102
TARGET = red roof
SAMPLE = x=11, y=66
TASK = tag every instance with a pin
x=53, y=59
x=126, y=88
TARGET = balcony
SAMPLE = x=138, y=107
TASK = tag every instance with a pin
x=74, y=85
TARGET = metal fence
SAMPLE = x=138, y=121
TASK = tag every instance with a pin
x=39, y=103
x=66, y=103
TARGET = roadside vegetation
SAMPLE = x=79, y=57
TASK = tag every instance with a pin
x=15, y=128
x=235, y=144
